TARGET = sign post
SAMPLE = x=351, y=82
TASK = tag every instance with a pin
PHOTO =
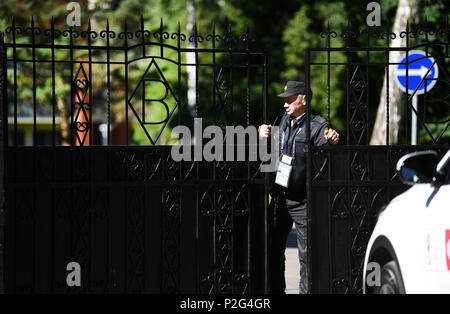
x=421, y=69
x=414, y=121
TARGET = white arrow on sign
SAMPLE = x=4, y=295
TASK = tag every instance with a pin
x=412, y=72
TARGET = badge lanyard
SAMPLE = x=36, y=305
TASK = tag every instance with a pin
x=296, y=133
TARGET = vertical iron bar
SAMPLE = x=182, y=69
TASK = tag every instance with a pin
x=415, y=99
x=34, y=82
x=233, y=287
x=350, y=115
x=308, y=169
x=91, y=105
x=143, y=100
x=108, y=84
x=179, y=108
x=34, y=152
x=214, y=86
x=3, y=147
x=230, y=75
x=197, y=230
x=407, y=109
x=108, y=222
x=161, y=38
x=248, y=77
x=5, y=102
x=15, y=80
x=52, y=282
x=197, y=208
x=3, y=89
x=143, y=39
x=72, y=82
x=349, y=124
x=180, y=170
x=328, y=75
x=196, y=114
x=91, y=164
x=368, y=222
x=126, y=80
x=196, y=71
x=266, y=189
x=426, y=41
x=330, y=257
x=387, y=82
x=126, y=135
x=143, y=82
x=53, y=82
x=216, y=164
x=179, y=74
x=249, y=197
x=161, y=247
x=329, y=218
x=367, y=87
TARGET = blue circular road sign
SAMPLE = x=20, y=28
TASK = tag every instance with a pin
x=419, y=65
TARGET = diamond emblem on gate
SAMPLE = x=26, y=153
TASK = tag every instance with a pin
x=82, y=108
x=148, y=100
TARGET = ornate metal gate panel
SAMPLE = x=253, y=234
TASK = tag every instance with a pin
x=349, y=183
x=132, y=218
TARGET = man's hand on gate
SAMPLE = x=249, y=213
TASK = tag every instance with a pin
x=332, y=136
x=264, y=130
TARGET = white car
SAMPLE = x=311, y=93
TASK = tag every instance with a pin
x=409, y=249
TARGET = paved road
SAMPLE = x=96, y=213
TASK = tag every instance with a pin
x=292, y=265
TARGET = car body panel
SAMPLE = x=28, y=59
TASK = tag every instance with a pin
x=417, y=225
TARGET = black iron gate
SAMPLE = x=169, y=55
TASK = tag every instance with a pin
x=131, y=217
x=349, y=183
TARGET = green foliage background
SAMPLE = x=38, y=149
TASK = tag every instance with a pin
x=285, y=29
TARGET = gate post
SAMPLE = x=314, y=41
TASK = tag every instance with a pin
x=3, y=141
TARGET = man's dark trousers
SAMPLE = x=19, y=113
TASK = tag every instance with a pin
x=285, y=212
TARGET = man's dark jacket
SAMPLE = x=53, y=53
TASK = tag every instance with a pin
x=297, y=182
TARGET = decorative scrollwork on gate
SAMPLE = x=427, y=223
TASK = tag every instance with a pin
x=135, y=240
x=171, y=239
x=358, y=123
x=82, y=109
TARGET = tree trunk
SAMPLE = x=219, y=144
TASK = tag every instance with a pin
x=405, y=10
x=190, y=57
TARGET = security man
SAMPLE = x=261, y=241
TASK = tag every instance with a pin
x=289, y=189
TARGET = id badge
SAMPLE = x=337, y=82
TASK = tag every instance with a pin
x=284, y=171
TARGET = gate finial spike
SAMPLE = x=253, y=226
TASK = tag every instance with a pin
x=107, y=24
